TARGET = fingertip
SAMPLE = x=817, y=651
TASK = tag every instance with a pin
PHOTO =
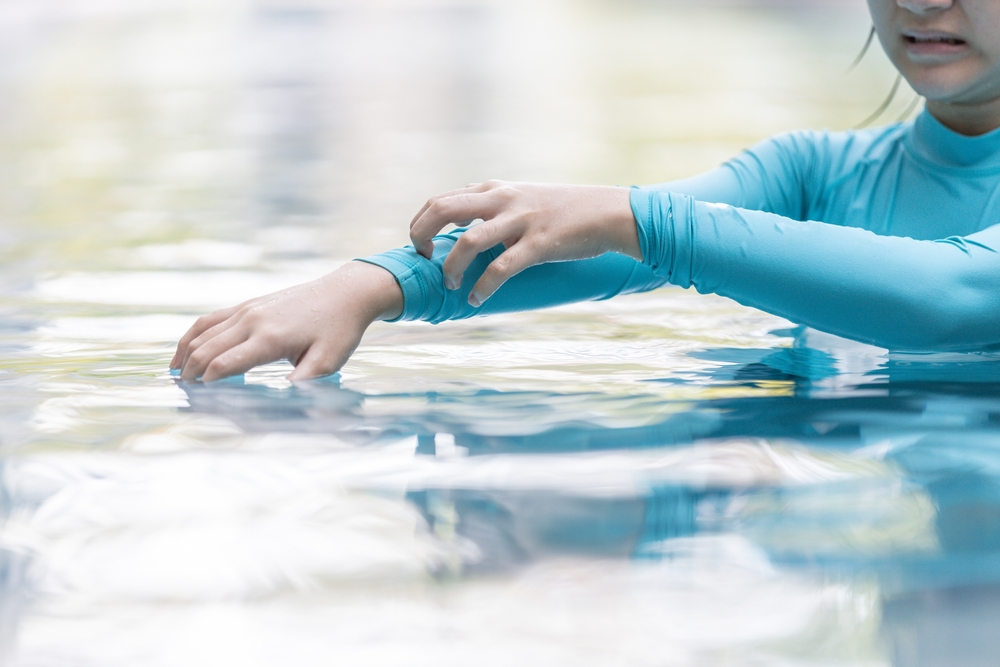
x=305, y=372
x=319, y=361
x=219, y=371
x=216, y=377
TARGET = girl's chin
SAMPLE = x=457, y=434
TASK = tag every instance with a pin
x=945, y=84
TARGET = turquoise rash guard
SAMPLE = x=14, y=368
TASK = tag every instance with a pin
x=888, y=236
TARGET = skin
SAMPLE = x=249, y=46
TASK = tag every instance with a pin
x=948, y=50
x=961, y=82
x=318, y=325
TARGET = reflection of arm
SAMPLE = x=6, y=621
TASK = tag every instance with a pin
x=890, y=291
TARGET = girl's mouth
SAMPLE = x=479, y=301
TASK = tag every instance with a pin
x=933, y=44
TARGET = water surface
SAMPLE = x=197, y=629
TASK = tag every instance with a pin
x=662, y=479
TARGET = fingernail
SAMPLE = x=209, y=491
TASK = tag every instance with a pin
x=449, y=283
x=474, y=300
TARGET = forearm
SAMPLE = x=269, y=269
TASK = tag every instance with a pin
x=544, y=285
x=889, y=291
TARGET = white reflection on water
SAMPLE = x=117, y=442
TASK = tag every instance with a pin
x=207, y=290
x=530, y=618
x=309, y=532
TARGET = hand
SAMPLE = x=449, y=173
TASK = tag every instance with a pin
x=536, y=223
x=316, y=326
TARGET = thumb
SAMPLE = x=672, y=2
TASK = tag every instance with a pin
x=318, y=361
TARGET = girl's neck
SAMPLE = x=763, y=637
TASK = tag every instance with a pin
x=968, y=119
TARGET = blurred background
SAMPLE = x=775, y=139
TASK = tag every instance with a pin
x=318, y=127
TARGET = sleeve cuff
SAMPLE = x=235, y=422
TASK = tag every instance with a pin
x=406, y=266
x=664, y=222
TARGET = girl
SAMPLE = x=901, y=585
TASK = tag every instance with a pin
x=885, y=236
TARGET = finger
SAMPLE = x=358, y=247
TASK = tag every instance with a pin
x=471, y=187
x=239, y=359
x=511, y=262
x=319, y=361
x=201, y=325
x=199, y=359
x=459, y=209
x=482, y=237
x=208, y=335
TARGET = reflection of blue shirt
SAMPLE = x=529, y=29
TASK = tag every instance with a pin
x=905, y=255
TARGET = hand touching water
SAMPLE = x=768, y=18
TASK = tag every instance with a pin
x=316, y=326
x=319, y=324
x=536, y=223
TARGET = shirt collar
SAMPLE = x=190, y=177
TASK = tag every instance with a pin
x=935, y=142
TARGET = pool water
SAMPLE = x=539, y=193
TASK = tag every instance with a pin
x=660, y=479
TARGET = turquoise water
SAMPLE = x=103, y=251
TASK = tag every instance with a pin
x=662, y=479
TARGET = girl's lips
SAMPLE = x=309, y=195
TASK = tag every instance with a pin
x=933, y=44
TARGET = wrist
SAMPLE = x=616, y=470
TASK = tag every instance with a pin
x=373, y=288
x=622, y=223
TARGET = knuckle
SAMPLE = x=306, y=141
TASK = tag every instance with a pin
x=253, y=317
x=474, y=239
x=468, y=240
x=219, y=367
x=507, y=190
x=203, y=322
x=488, y=228
x=437, y=205
x=198, y=358
x=503, y=263
x=270, y=337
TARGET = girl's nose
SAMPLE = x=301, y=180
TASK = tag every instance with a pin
x=925, y=6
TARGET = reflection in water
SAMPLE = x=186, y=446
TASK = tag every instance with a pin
x=930, y=428
x=663, y=479
x=896, y=477
x=14, y=590
x=940, y=626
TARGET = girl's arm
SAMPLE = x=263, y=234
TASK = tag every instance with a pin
x=316, y=326
x=771, y=176
x=426, y=298
x=543, y=228
x=893, y=292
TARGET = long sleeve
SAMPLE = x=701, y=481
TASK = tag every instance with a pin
x=890, y=291
x=542, y=286
x=776, y=175
x=904, y=257
x=769, y=176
